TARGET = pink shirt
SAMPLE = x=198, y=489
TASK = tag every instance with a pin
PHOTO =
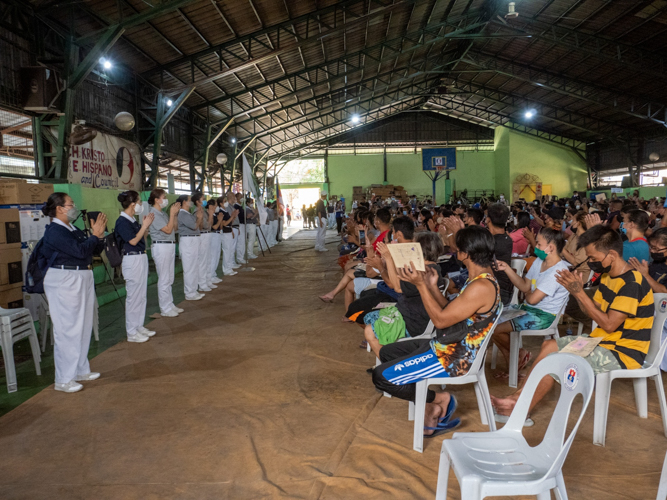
x=520, y=243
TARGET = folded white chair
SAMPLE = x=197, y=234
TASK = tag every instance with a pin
x=475, y=376
x=502, y=463
x=15, y=325
x=639, y=377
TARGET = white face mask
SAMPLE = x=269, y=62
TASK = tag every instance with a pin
x=164, y=202
x=138, y=209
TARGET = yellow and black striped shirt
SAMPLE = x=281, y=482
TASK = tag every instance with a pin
x=630, y=294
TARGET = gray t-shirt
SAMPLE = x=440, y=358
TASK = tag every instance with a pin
x=187, y=223
x=161, y=220
x=230, y=209
x=206, y=226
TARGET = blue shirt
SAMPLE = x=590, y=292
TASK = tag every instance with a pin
x=70, y=244
x=224, y=216
x=241, y=215
x=636, y=248
x=127, y=229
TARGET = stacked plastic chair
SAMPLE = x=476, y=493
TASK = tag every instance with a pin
x=15, y=325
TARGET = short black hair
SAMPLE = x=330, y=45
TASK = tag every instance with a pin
x=498, y=214
x=523, y=220
x=431, y=244
x=182, y=198
x=405, y=226
x=426, y=213
x=478, y=243
x=383, y=215
x=475, y=214
x=553, y=236
x=659, y=235
x=603, y=238
x=639, y=218
x=196, y=197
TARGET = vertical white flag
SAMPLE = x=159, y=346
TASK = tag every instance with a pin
x=249, y=184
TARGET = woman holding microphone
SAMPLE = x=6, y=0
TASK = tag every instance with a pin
x=70, y=289
x=132, y=237
x=163, y=249
x=188, y=245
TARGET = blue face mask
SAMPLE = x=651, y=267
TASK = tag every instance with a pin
x=531, y=217
x=623, y=229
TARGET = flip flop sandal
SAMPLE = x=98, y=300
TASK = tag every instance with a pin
x=443, y=428
x=326, y=301
x=524, y=361
x=363, y=345
x=502, y=419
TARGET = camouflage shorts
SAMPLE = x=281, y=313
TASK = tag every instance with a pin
x=601, y=359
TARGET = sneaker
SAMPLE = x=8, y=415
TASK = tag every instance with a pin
x=252, y=256
x=216, y=280
x=87, y=376
x=211, y=286
x=323, y=250
x=231, y=273
x=71, y=386
x=197, y=296
x=145, y=331
x=236, y=266
x=169, y=314
x=137, y=337
x=241, y=262
x=205, y=289
x=177, y=309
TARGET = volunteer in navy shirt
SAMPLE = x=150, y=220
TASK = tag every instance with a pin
x=131, y=237
x=70, y=289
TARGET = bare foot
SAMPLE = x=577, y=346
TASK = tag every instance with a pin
x=435, y=411
x=327, y=298
x=503, y=406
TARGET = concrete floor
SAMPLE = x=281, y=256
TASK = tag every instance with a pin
x=259, y=391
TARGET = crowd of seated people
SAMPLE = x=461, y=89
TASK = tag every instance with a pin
x=595, y=261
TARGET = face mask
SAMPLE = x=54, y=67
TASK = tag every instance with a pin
x=658, y=258
x=138, y=209
x=597, y=267
x=164, y=203
x=73, y=214
x=440, y=220
x=578, y=207
x=531, y=217
x=405, y=212
x=540, y=254
x=567, y=205
x=623, y=229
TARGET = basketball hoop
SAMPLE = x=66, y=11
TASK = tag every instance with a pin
x=439, y=168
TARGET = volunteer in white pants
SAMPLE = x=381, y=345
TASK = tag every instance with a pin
x=188, y=246
x=321, y=215
x=203, y=259
x=131, y=237
x=231, y=207
x=70, y=289
x=252, y=217
x=241, y=243
x=163, y=249
x=216, y=240
x=228, y=241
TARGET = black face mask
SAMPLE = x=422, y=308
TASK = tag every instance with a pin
x=598, y=268
x=658, y=258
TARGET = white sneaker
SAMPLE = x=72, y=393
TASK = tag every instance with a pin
x=252, y=256
x=212, y=286
x=205, y=289
x=323, y=250
x=236, y=266
x=137, y=337
x=145, y=331
x=241, y=262
x=87, y=376
x=232, y=273
x=197, y=296
x=177, y=309
x=70, y=386
x=216, y=280
x=169, y=314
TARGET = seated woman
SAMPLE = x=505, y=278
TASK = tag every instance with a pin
x=520, y=243
x=544, y=297
x=408, y=317
x=425, y=220
x=461, y=328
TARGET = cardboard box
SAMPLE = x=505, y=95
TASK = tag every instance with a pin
x=11, y=297
x=10, y=228
x=11, y=266
x=33, y=224
x=21, y=192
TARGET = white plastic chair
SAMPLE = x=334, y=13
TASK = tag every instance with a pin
x=662, y=489
x=502, y=463
x=516, y=341
x=474, y=376
x=15, y=325
x=580, y=328
x=519, y=265
x=639, y=377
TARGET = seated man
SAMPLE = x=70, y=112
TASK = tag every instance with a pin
x=622, y=307
x=461, y=327
x=544, y=297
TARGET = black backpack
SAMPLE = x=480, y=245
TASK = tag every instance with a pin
x=36, y=269
x=113, y=247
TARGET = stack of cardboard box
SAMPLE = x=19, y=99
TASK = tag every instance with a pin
x=358, y=193
x=11, y=269
x=21, y=192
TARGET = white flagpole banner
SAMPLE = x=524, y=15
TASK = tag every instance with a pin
x=106, y=162
x=250, y=185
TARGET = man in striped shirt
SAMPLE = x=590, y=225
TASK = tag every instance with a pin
x=622, y=308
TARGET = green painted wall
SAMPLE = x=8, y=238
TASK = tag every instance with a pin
x=502, y=161
x=555, y=165
x=475, y=170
